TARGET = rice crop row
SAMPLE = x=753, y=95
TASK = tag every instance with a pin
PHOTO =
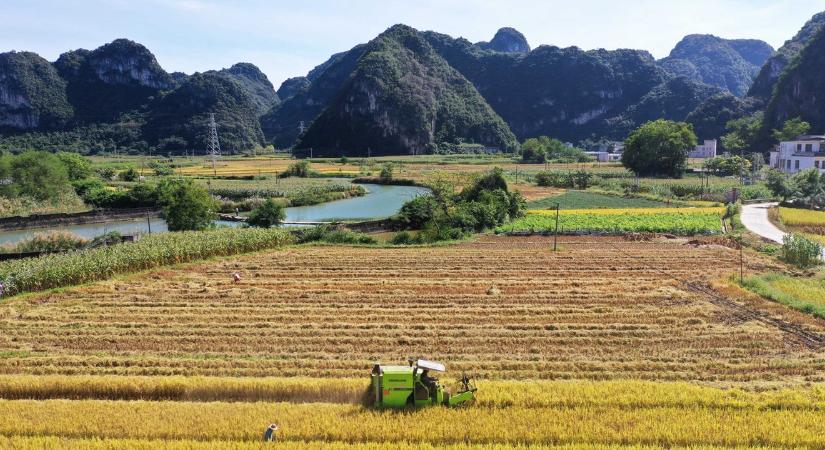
x=50, y=442
x=325, y=422
x=491, y=394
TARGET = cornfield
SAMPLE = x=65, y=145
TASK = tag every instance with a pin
x=66, y=269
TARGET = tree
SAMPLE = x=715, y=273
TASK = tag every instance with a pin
x=532, y=151
x=106, y=173
x=39, y=175
x=77, y=166
x=734, y=143
x=386, y=172
x=186, y=206
x=299, y=169
x=727, y=165
x=757, y=161
x=791, y=129
x=543, y=148
x=129, y=174
x=269, y=214
x=415, y=213
x=779, y=185
x=810, y=186
x=659, y=148
x=743, y=134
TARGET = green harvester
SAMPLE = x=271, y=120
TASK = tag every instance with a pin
x=414, y=386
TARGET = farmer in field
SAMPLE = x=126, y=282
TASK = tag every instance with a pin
x=269, y=434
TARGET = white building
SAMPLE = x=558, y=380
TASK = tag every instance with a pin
x=804, y=152
x=605, y=156
x=704, y=151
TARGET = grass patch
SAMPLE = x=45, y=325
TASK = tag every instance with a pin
x=592, y=200
x=803, y=294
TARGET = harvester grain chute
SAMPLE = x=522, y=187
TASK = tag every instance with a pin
x=413, y=386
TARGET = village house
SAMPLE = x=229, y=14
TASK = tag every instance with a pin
x=704, y=151
x=802, y=153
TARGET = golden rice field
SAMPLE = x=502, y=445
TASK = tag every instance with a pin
x=809, y=223
x=802, y=217
x=604, y=344
x=264, y=166
x=419, y=168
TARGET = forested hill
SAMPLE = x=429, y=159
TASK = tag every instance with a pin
x=729, y=64
x=32, y=94
x=800, y=91
x=402, y=96
x=771, y=71
x=118, y=97
x=111, y=80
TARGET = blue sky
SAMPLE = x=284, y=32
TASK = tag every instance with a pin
x=287, y=38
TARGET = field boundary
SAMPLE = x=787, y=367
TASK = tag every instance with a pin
x=812, y=340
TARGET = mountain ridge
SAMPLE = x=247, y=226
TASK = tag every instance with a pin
x=406, y=91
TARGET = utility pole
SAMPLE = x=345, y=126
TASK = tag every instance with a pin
x=556, y=233
x=214, y=144
x=741, y=262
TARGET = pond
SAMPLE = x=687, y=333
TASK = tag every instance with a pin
x=380, y=202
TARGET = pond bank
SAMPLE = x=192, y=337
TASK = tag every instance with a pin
x=96, y=216
x=380, y=202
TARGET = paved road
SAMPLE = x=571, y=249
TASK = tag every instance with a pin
x=755, y=219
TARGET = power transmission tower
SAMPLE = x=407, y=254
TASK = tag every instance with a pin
x=214, y=151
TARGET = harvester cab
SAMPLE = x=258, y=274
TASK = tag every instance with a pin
x=415, y=385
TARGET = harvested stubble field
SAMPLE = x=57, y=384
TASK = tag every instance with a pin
x=583, y=321
x=498, y=307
